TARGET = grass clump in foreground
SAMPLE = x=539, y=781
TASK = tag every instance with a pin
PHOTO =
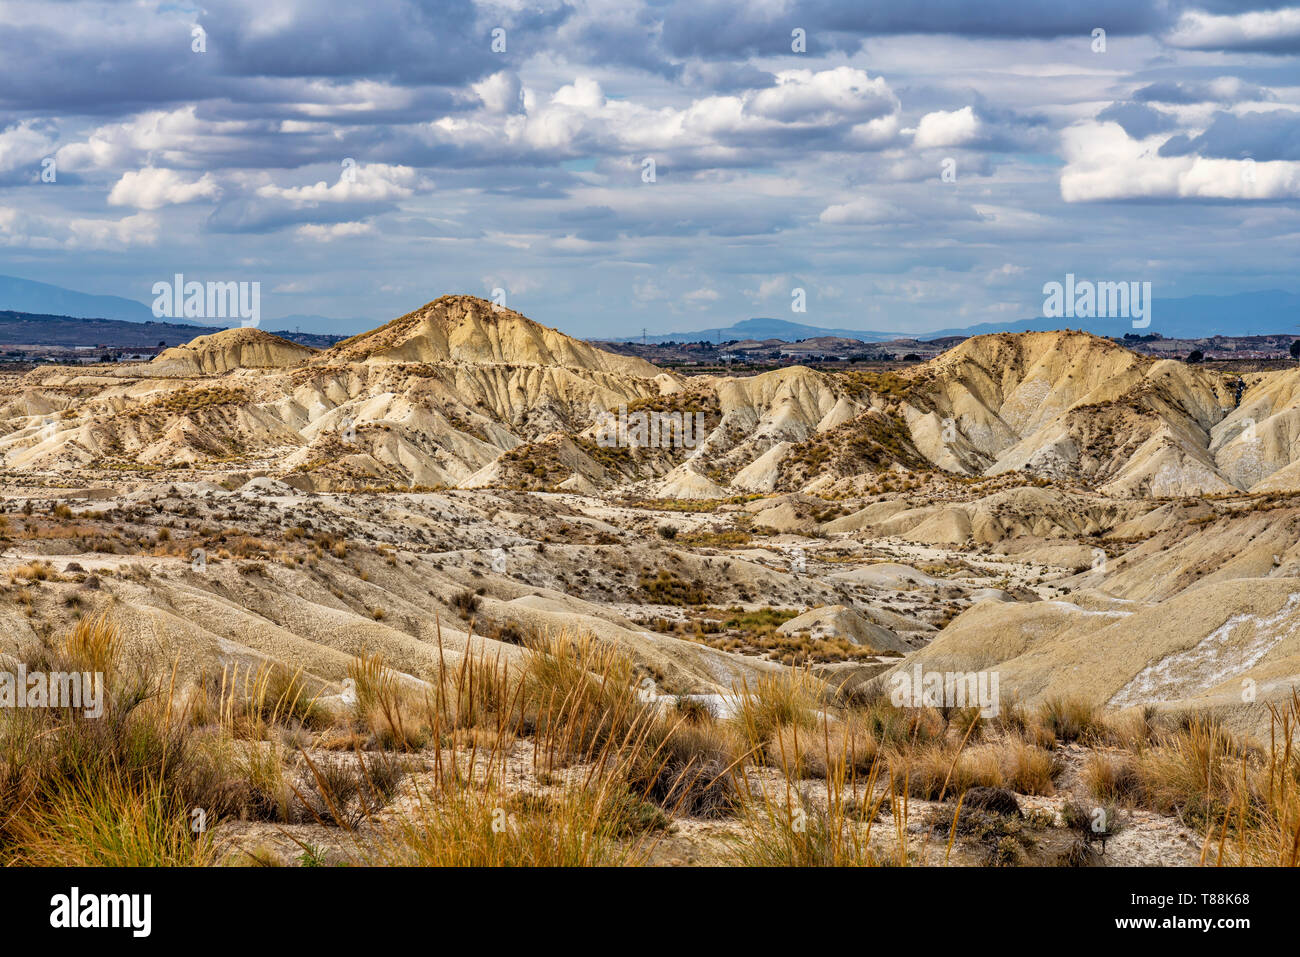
x=110, y=790
x=556, y=751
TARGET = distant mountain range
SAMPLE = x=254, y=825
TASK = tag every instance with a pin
x=1267, y=312
x=763, y=328
x=70, y=332
x=1270, y=312
x=43, y=299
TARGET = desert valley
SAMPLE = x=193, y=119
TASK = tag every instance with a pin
x=409, y=600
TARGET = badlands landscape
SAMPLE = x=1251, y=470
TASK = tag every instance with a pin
x=414, y=599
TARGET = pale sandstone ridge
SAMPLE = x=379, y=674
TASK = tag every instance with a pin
x=1007, y=497
x=1198, y=649
x=1071, y=405
x=840, y=621
x=469, y=329
x=230, y=349
x=463, y=393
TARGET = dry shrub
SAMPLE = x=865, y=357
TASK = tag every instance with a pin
x=900, y=727
x=1191, y=771
x=384, y=705
x=93, y=646
x=1028, y=769
x=116, y=789
x=581, y=695
x=468, y=823
x=1112, y=778
x=1073, y=719
x=938, y=771
x=783, y=828
x=772, y=702
x=818, y=751
x=689, y=768
x=1133, y=729
x=1261, y=825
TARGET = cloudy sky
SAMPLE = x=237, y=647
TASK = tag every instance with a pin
x=910, y=165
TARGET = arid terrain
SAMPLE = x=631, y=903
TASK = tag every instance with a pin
x=410, y=599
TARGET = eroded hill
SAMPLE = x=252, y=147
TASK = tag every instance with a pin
x=1051, y=485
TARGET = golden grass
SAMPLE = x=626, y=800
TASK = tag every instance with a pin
x=1112, y=778
x=817, y=752
x=94, y=646
x=559, y=756
x=1027, y=768
x=775, y=701
x=1073, y=719
x=789, y=829
x=1261, y=825
x=99, y=820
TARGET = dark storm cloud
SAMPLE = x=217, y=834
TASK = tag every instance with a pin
x=47, y=67
x=1258, y=136
x=259, y=215
x=438, y=43
x=1139, y=120
x=715, y=28
x=1188, y=92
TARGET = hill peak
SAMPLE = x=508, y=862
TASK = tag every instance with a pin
x=463, y=328
x=229, y=349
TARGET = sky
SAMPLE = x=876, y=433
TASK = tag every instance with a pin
x=608, y=166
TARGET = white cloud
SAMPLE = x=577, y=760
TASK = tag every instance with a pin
x=702, y=295
x=1004, y=273
x=881, y=131
x=583, y=94
x=326, y=233
x=31, y=231
x=941, y=128
x=501, y=92
x=770, y=287
x=648, y=291
x=1204, y=31
x=860, y=212
x=1104, y=163
x=374, y=183
x=579, y=118
x=140, y=229
x=155, y=187
x=838, y=94
x=172, y=138
x=22, y=145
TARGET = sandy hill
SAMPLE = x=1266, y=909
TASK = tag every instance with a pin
x=449, y=393
x=469, y=329
x=230, y=349
x=431, y=398
x=1195, y=649
x=1070, y=405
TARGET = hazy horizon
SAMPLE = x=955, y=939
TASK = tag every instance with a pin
x=672, y=167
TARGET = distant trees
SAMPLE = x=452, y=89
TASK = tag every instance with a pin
x=1295, y=348
x=1195, y=356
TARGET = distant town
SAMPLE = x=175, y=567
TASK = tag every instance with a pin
x=68, y=340
x=1247, y=353
x=30, y=338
